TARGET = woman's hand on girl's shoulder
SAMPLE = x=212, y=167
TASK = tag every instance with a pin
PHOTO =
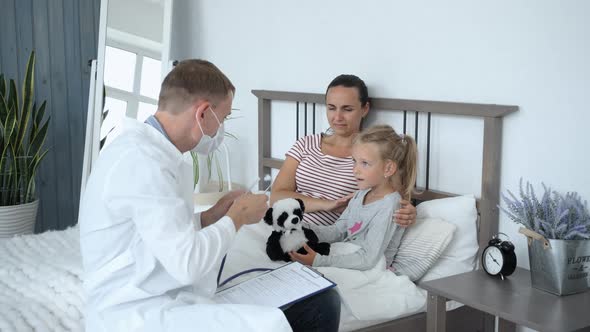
x=406, y=215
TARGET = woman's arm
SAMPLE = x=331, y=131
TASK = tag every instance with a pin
x=284, y=187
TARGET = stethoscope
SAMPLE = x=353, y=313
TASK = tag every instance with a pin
x=221, y=284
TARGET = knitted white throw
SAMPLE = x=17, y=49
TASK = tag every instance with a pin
x=40, y=282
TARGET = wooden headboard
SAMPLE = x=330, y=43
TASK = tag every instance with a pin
x=492, y=143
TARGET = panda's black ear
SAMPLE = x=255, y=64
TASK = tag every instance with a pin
x=268, y=216
x=301, y=204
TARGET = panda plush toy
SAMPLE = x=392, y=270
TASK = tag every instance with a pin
x=285, y=217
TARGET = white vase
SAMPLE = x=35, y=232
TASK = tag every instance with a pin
x=18, y=219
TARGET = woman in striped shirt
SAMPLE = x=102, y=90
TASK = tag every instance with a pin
x=318, y=168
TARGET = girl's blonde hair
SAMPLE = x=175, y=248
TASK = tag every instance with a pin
x=401, y=149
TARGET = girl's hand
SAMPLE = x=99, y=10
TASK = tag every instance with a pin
x=304, y=259
x=406, y=215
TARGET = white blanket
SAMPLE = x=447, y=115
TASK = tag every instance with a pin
x=375, y=294
x=41, y=287
x=40, y=282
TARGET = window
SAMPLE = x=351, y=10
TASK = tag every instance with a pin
x=132, y=83
x=145, y=110
x=150, y=78
x=116, y=113
x=119, y=69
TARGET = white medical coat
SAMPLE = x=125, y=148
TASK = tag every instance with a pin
x=148, y=264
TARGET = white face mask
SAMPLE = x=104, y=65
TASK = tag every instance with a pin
x=208, y=144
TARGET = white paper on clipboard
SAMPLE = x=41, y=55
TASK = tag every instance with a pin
x=278, y=288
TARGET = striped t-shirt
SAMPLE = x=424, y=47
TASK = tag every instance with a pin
x=321, y=176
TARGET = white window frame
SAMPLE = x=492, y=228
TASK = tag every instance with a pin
x=140, y=47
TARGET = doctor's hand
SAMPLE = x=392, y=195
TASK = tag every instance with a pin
x=248, y=209
x=304, y=259
x=218, y=210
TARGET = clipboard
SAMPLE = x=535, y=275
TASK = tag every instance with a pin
x=279, y=288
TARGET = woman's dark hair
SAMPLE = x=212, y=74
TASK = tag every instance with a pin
x=351, y=81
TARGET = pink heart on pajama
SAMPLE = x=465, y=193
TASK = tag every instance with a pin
x=357, y=225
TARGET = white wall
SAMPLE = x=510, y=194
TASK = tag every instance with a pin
x=142, y=18
x=534, y=54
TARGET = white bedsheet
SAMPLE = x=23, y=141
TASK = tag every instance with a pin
x=40, y=282
x=367, y=296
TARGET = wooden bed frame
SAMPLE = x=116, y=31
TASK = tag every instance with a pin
x=463, y=318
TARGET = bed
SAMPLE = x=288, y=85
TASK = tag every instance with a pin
x=414, y=115
x=40, y=275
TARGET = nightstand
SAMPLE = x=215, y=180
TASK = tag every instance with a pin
x=513, y=300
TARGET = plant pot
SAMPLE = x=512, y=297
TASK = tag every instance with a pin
x=560, y=266
x=18, y=219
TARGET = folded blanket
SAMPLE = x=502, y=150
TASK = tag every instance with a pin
x=374, y=294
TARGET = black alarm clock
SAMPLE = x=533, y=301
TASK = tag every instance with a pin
x=499, y=258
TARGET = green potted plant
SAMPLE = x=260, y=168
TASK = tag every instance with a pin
x=22, y=133
x=558, y=230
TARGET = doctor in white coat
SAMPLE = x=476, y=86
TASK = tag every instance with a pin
x=150, y=264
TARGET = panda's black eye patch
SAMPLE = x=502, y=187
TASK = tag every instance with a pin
x=298, y=213
x=282, y=218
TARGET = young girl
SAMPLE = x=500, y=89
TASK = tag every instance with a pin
x=385, y=170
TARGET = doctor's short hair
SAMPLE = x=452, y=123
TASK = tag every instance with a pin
x=190, y=80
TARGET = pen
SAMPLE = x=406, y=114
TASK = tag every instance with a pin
x=253, y=185
x=266, y=178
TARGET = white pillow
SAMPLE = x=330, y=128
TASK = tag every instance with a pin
x=421, y=246
x=461, y=212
